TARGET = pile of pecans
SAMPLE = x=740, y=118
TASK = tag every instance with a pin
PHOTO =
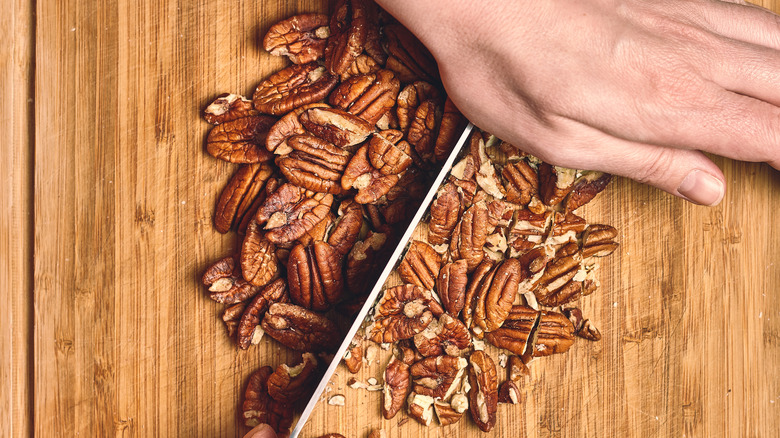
x=335, y=153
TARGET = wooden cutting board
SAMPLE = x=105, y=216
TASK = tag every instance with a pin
x=108, y=196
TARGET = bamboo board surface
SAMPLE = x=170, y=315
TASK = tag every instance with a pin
x=105, y=329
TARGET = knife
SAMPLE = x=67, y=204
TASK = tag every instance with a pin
x=400, y=249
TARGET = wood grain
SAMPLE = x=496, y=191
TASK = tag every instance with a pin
x=127, y=344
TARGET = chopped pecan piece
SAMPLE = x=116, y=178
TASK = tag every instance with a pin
x=302, y=38
x=347, y=228
x=314, y=164
x=470, y=235
x=599, y=241
x=240, y=140
x=509, y=393
x=447, y=413
x=445, y=336
x=293, y=87
x=348, y=27
x=301, y=329
x=258, y=257
x=486, y=173
x=516, y=332
x=451, y=286
x=421, y=408
x=249, y=331
x=259, y=407
x=231, y=316
x=452, y=125
x=389, y=153
x=315, y=276
x=361, y=260
x=582, y=327
x=367, y=96
x=522, y=183
x=555, y=183
x=586, y=188
x=564, y=278
x=439, y=376
x=410, y=98
x=408, y=57
x=402, y=312
x=291, y=211
x=336, y=126
x=529, y=230
x=420, y=265
x=445, y=213
x=286, y=127
x=517, y=369
x=363, y=64
x=369, y=182
x=353, y=358
x=555, y=334
x=289, y=384
x=228, y=107
x=396, y=387
x=483, y=395
x=226, y=284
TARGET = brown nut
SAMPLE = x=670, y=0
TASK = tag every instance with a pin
x=473, y=292
x=449, y=414
x=420, y=265
x=315, y=276
x=586, y=188
x=364, y=256
x=560, y=284
x=389, y=153
x=314, y=164
x=319, y=232
x=516, y=333
x=270, y=186
x=408, y=57
x=373, y=45
x=231, y=316
x=470, y=235
x=410, y=99
x=259, y=407
x=582, y=327
x=248, y=330
x=517, y=369
x=483, y=395
x=445, y=214
x=369, y=182
x=528, y=231
x=228, y=107
x=421, y=408
x=259, y=264
x=445, y=336
x=439, y=376
x=599, y=241
x=302, y=38
x=521, y=182
x=291, y=211
x=486, y=176
x=402, y=312
x=451, y=286
x=509, y=393
x=293, y=87
x=490, y=301
x=353, y=359
x=396, y=388
x=363, y=64
x=336, y=126
x=555, y=183
x=452, y=125
x=347, y=228
x=348, y=26
x=286, y=127
x=226, y=284
x=554, y=334
x=301, y=329
x=289, y=384
x=367, y=96
x=240, y=140
x=423, y=129
x=237, y=197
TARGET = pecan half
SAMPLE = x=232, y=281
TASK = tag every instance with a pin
x=445, y=336
x=516, y=332
x=364, y=256
x=407, y=56
x=555, y=334
x=293, y=87
x=291, y=211
x=353, y=358
x=258, y=257
x=389, y=152
x=402, y=312
x=259, y=407
x=470, y=235
x=301, y=329
x=445, y=213
x=483, y=395
x=271, y=185
x=451, y=286
x=347, y=227
x=314, y=164
x=452, y=125
x=420, y=265
x=226, y=284
x=368, y=96
x=348, y=35
x=240, y=140
x=521, y=182
x=227, y=107
x=491, y=300
x=237, y=197
x=586, y=188
x=289, y=384
x=286, y=127
x=248, y=330
x=315, y=276
x=555, y=183
x=422, y=129
x=396, y=387
x=599, y=241
x=363, y=64
x=336, y=126
x=564, y=278
x=302, y=38
x=439, y=376
x=410, y=98
x=369, y=182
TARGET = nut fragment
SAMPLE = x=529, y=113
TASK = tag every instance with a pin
x=515, y=334
x=389, y=153
x=291, y=211
x=353, y=358
x=396, y=387
x=522, y=183
x=336, y=126
x=286, y=127
x=293, y=87
x=370, y=183
x=483, y=395
x=227, y=107
x=259, y=407
x=438, y=376
x=583, y=328
x=452, y=125
x=300, y=329
x=302, y=38
x=348, y=226
x=240, y=140
x=517, y=369
x=555, y=334
x=420, y=265
x=446, y=413
x=421, y=408
x=586, y=188
x=509, y=393
x=231, y=316
x=337, y=400
x=599, y=241
x=289, y=384
x=445, y=336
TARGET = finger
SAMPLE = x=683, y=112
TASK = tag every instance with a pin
x=743, y=22
x=261, y=431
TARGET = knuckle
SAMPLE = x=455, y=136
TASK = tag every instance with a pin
x=654, y=167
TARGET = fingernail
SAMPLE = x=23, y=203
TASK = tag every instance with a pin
x=261, y=431
x=702, y=188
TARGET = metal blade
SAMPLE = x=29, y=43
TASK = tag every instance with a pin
x=373, y=296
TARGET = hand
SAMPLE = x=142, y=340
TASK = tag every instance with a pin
x=261, y=431
x=634, y=88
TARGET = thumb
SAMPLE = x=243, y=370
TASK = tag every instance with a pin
x=261, y=431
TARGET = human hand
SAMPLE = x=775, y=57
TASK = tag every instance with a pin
x=261, y=431
x=630, y=87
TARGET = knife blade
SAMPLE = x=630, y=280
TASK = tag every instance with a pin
x=378, y=287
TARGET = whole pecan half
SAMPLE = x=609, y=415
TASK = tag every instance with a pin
x=396, y=387
x=452, y=125
x=470, y=235
x=590, y=184
x=240, y=140
x=554, y=334
x=483, y=395
x=336, y=126
x=564, y=279
x=271, y=185
x=451, y=286
x=315, y=276
x=407, y=56
x=599, y=241
x=259, y=407
x=301, y=329
x=368, y=96
x=287, y=126
x=515, y=335
x=238, y=196
x=289, y=384
x=226, y=284
x=363, y=64
x=347, y=35
x=494, y=296
x=291, y=211
x=438, y=376
x=369, y=182
x=227, y=107
x=302, y=38
x=410, y=98
x=293, y=87
x=402, y=312
x=445, y=213
x=389, y=153
x=473, y=292
x=347, y=228
x=423, y=128
x=258, y=257
x=314, y=164
x=248, y=330
x=445, y=336
x=420, y=265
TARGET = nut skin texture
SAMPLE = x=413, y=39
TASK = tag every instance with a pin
x=228, y=107
x=259, y=264
x=354, y=361
x=517, y=369
x=347, y=229
x=496, y=294
x=336, y=126
x=451, y=286
x=452, y=125
x=410, y=99
x=435, y=376
x=408, y=57
x=315, y=276
x=515, y=335
x=396, y=388
x=553, y=188
x=291, y=211
x=555, y=334
x=348, y=28
x=240, y=140
x=445, y=336
x=402, y=312
x=301, y=329
x=293, y=87
x=389, y=153
x=231, y=316
x=422, y=129
x=582, y=327
x=226, y=284
x=599, y=241
x=302, y=38
x=314, y=164
x=287, y=126
x=585, y=189
x=363, y=64
x=276, y=292
x=445, y=214
x=367, y=96
x=365, y=254
x=470, y=235
x=259, y=407
x=420, y=265
x=483, y=395
x=521, y=182
x=369, y=182
x=473, y=292
x=289, y=384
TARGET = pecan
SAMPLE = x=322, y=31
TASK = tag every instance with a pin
x=555, y=183
x=422, y=129
x=228, y=107
x=522, y=183
x=369, y=182
x=517, y=369
x=500, y=213
x=586, y=188
x=389, y=152
x=405, y=352
x=286, y=127
x=470, y=235
x=314, y=164
x=347, y=228
x=226, y=284
x=402, y=312
x=353, y=358
x=363, y=64
x=407, y=56
x=293, y=87
x=473, y=291
x=599, y=241
x=451, y=286
x=259, y=407
x=439, y=376
x=249, y=331
x=486, y=172
x=420, y=265
x=300, y=329
x=410, y=98
x=336, y=126
x=402, y=200
x=231, y=316
x=258, y=257
x=238, y=196
x=452, y=125
x=509, y=393
x=315, y=276
x=564, y=278
x=555, y=334
x=361, y=261
x=582, y=327
x=291, y=211
x=445, y=213
x=302, y=38
x=368, y=96
x=421, y=408
x=528, y=231
x=373, y=44
x=565, y=228
x=491, y=300
x=447, y=414
x=516, y=332
x=348, y=26
x=289, y=384
x=483, y=395
x=445, y=336
x=240, y=140
x=396, y=387
x=319, y=232
x=270, y=186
